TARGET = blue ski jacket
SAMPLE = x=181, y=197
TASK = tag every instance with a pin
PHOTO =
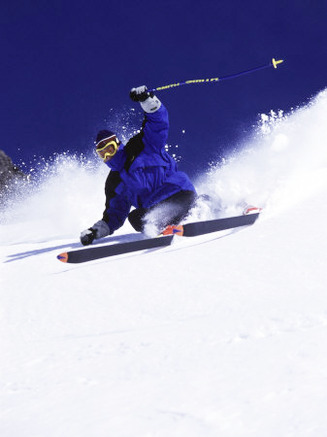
x=142, y=172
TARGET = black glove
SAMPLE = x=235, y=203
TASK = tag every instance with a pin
x=88, y=236
x=140, y=94
x=100, y=229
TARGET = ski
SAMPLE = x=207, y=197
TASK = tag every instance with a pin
x=187, y=230
x=97, y=252
x=208, y=226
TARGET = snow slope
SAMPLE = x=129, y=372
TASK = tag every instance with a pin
x=223, y=338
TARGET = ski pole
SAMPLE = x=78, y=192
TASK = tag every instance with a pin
x=274, y=63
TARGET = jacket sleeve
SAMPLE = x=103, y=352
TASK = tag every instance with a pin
x=155, y=129
x=117, y=205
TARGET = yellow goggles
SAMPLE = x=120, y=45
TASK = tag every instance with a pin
x=107, y=149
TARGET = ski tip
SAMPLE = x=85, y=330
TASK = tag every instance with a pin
x=63, y=257
x=173, y=230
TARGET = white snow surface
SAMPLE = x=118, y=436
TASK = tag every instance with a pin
x=225, y=337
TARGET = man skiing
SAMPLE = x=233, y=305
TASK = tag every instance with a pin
x=143, y=175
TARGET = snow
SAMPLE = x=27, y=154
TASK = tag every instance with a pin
x=225, y=337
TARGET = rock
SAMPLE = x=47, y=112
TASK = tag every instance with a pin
x=11, y=177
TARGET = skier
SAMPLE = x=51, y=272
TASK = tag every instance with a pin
x=143, y=175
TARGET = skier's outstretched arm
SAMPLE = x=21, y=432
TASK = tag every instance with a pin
x=156, y=123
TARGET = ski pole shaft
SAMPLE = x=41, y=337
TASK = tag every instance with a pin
x=274, y=63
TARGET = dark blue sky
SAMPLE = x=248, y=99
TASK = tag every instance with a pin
x=67, y=68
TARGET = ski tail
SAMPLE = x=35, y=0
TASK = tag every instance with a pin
x=250, y=209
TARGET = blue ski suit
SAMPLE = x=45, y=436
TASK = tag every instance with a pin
x=142, y=173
